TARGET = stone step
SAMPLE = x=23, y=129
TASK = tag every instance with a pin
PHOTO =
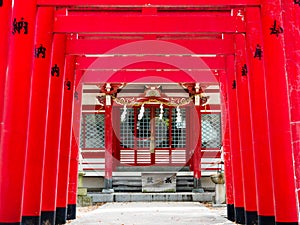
x=118, y=178
x=127, y=183
x=183, y=183
x=142, y=197
x=127, y=189
x=184, y=189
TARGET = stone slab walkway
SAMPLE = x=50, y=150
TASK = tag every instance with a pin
x=149, y=213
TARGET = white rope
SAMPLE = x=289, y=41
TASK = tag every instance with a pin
x=141, y=114
x=161, y=111
x=178, y=118
x=124, y=113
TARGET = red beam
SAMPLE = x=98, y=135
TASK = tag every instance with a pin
x=212, y=63
x=207, y=46
x=140, y=23
x=98, y=107
x=136, y=91
x=143, y=3
x=149, y=76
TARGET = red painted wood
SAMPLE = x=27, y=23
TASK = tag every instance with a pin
x=207, y=3
x=140, y=23
x=116, y=122
x=195, y=141
x=245, y=134
x=5, y=18
x=174, y=23
x=291, y=15
x=15, y=116
x=39, y=109
x=66, y=134
x=153, y=63
x=238, y=191
x=98, y=107
x=152, y=130
x=73, y=174
x=258, y=113
x=93, y=155
x=104, y=45
x=54, y=127
x=149, y=47
x=210, y=153
x=227, y=155
x=108, y=140
x=278, y=112
x=149, y=76
x=135, y=91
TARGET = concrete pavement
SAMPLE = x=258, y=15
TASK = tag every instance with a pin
x=149, y=213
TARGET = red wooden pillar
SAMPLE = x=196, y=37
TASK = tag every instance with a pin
x=73, y=179
x=237, y=175
x=73, y=173
x=245, y=130
x=39, y=109
x=291, y=20
x=53, y=131
x=116, y=135
x=196, y=143
x=108, y=145
x=226, y=147
x=286, y=208
x=16, y=110
x=260, y=130
x=65, y=145
x=5, y=18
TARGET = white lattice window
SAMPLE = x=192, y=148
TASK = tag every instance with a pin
x=92, y=131
x=211, y=130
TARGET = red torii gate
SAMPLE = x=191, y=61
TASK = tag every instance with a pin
x=260, y=96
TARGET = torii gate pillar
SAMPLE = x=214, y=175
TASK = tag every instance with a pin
x=286, y=207
x=259, y=119
x=242, y=96
x=238, y=191
x=53, y=131
x=16, y=109
x=5, y=18
x=291, y=20
x=73, y=174
x=39, y=109
x=65, y=145
x=226, y=147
